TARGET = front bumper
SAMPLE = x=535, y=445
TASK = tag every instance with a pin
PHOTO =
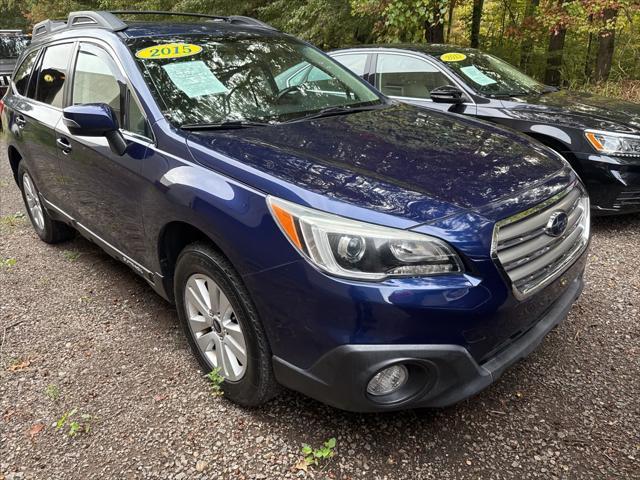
x=439, y=374
x=613, y=183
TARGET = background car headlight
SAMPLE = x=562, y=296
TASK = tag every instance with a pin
x=359, y=250
x=614, y=143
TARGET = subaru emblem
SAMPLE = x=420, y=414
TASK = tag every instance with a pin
x=557, y=224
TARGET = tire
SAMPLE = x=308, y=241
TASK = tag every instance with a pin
x=213, y=335
x=49, y=230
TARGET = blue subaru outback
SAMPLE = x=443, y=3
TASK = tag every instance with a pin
x=311, y=232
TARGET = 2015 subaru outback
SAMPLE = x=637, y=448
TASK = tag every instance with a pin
x=313, y=234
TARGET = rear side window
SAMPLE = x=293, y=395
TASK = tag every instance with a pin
x=53, y=74
x=21, y=78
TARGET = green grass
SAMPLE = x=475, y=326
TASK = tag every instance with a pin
x=52, y=391
x=7, y=262
x=624, y=90
x=71, y=255
x=12, y=220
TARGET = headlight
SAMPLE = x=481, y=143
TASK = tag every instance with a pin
x=614, y=143
x=353, y=249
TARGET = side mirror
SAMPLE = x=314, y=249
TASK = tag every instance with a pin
x=95, y=120
x=447, y=94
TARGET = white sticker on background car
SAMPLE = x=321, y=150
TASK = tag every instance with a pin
x=194, y=78
x=475, y=75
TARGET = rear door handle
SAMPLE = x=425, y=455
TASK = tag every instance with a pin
x=64, y=145
x=20, y=121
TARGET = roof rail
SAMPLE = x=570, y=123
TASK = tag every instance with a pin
x=97, y=19
x=233, y=19
x=110, y=20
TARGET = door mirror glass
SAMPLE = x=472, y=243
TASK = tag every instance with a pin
x=447, y=94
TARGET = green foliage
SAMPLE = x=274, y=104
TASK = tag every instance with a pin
x=74, y=424
x=403, y=20
x=216, y=382
x=315, y=456
x=516, y=30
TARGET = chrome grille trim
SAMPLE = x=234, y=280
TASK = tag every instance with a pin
x=530, y=257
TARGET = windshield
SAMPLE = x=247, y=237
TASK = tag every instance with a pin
x=12, y=45
x=490, y=75
x=201, y=80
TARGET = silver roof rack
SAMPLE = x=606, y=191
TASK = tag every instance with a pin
x=111, y=20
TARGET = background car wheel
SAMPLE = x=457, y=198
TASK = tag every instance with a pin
x=222, y=326
x=49, y=230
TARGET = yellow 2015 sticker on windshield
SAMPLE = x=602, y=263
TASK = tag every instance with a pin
x=169, y=50
x=453, y=57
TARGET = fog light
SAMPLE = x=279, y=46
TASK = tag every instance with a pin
x=388, y=380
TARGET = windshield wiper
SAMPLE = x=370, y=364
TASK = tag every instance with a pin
x=230, y=124
x=336, y=110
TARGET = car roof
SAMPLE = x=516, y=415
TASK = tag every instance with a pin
x=92, y=22
x=210, y=28
x=435, y=49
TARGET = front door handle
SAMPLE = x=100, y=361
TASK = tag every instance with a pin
x=20, y=121
x=64, y=145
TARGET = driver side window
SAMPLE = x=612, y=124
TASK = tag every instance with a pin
x=96, y=81
x=407, y=76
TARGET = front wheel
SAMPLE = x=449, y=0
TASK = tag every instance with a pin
x=222, y=326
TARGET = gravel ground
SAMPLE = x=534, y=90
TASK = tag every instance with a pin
x=81, y=331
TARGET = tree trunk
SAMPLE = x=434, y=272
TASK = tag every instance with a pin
x=452, y=6
x=475, y=23
x=434, y=33
x=526, y=47
x=606, y=44
x=588, y=70
x=552, y=75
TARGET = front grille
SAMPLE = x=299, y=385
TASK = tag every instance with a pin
x=627, y=199
x=532, y=251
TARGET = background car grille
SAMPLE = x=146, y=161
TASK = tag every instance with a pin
x=529, y=254
x=628, y=199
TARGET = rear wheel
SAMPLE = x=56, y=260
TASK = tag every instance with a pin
x=49, y=230
x=222, y=326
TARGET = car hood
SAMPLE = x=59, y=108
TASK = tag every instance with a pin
x=401, y=160
x=580, y=110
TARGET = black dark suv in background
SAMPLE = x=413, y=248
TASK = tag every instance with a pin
x=12, y=43
x=599, y=136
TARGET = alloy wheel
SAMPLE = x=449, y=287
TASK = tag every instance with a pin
x=215, y=327
x=33, y=201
